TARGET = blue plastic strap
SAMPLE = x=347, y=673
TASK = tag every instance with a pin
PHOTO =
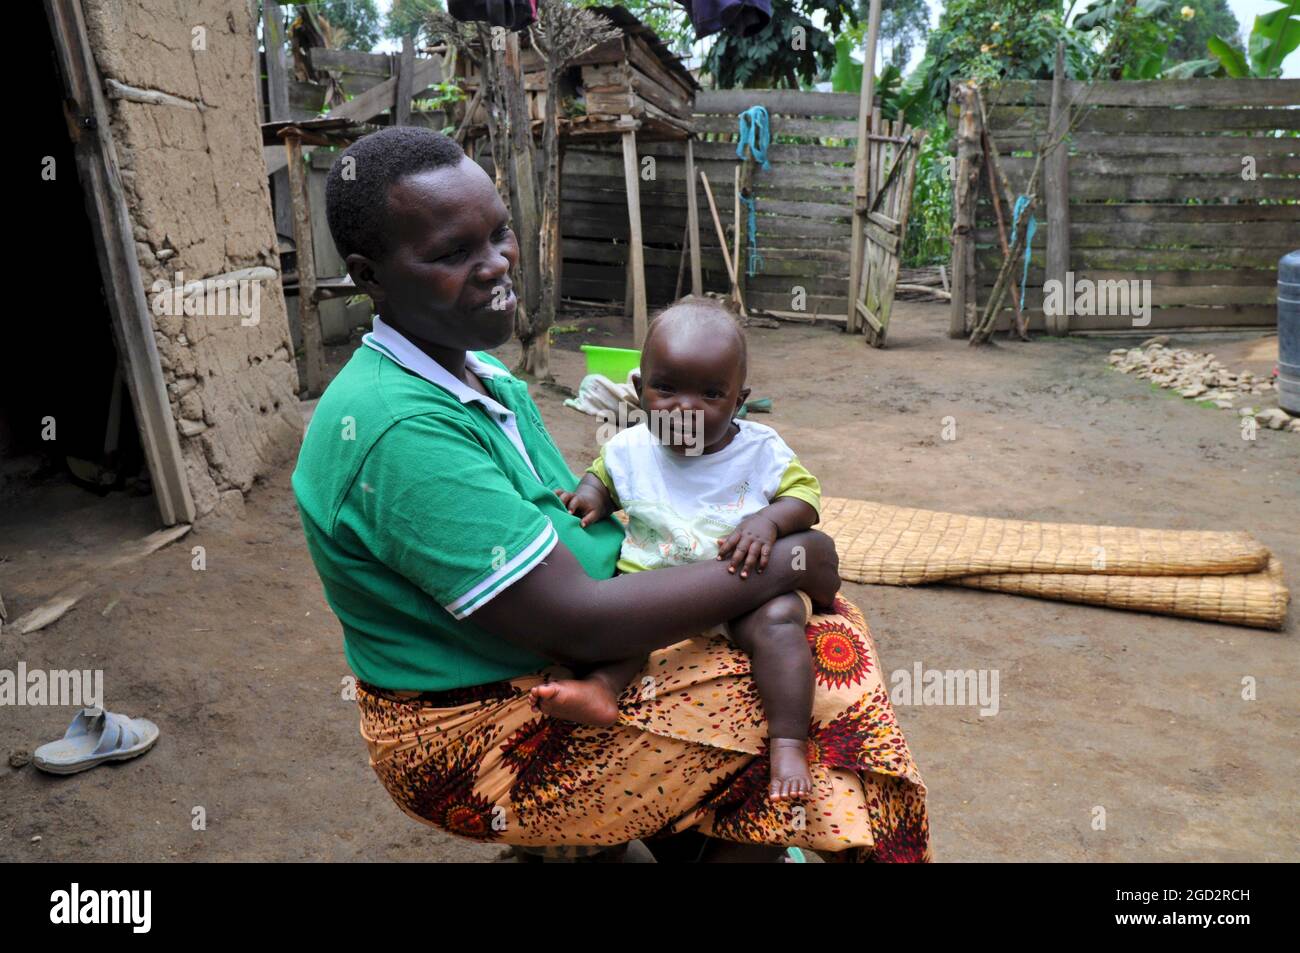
x=755, y=259
x=1030, y=228
x=755, y=132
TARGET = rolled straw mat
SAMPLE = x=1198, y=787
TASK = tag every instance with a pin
x=1225, y=577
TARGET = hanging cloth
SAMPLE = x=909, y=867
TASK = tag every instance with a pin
x=741, y=18
x=511, y=14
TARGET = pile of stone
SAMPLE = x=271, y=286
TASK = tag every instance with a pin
x=1200, y=376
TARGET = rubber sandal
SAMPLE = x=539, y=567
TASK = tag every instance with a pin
x=93, y=737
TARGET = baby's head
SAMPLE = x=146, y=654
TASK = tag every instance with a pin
x=693, y=361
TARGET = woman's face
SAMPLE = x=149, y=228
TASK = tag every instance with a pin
x=446, y=277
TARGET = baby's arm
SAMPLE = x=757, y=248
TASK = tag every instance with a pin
x=591, y=500
x=751, y=543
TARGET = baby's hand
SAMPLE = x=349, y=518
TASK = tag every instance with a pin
x=584, y=503
x=750, y=545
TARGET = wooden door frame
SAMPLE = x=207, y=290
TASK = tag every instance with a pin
x=110, y=219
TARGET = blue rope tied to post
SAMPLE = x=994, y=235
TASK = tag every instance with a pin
x=756, y=133
x=755, y=259
x=1021, y=203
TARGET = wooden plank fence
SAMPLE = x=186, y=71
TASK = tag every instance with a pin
x=1193, y=185
x=804, y=203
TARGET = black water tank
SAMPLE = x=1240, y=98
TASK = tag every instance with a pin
x=1288, y=332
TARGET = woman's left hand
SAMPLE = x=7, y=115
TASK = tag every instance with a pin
x=750, y=545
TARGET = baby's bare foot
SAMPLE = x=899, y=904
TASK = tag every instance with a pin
x=790, y=778
x=586, y=701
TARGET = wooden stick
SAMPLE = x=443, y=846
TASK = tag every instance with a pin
x=722, y=237
x=995, y=189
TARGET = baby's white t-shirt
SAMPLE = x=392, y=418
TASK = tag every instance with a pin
x=680, y=507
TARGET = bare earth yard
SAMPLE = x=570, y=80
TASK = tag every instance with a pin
x=241, y=664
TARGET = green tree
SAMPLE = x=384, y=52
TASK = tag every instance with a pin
x=903, y=24
x=1211, y=18
x=357, y=22
x=407, y=17
x=789, y=51
x=666, y=17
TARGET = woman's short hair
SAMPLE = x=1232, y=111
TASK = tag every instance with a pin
x=357, y=186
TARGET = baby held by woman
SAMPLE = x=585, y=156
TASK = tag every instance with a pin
x=696, y=483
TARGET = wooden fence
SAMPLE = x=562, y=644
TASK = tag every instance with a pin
x=1192, y=185
x=803, y=203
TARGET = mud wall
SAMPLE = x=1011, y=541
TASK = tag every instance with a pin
x=196, y=187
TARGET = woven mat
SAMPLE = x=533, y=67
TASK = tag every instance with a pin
x=1227, y=577
x=1257, y=599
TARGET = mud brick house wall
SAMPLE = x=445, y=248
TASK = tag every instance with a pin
x=196, y=188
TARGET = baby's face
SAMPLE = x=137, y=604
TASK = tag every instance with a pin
x=698, y=375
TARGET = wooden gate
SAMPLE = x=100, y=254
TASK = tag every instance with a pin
x=880, y=220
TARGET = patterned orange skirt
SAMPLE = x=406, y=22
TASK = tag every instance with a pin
x=689, y=752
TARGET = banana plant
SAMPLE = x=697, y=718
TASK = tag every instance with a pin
x=1274, y=35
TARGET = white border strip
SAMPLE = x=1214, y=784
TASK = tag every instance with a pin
x=484, y=592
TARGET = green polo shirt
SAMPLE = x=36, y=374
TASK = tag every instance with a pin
x=418, y=509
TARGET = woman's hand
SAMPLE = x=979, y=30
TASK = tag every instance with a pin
x=750, y=545
x=589, y=502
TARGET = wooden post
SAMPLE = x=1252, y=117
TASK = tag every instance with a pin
x=861, y=177
x=277, y=104
x=735, y=228
x=308, y=312
x=405, y=83
x=681, y=261
x=965, y=193
x=636, y=253
x=523, y=187
x=693, y=221
x=1056, y=186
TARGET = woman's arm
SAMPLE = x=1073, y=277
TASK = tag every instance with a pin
x=561, y=613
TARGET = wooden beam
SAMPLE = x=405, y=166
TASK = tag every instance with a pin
x=101, y=183
x=636, y=254
x=1056, y=188
x=308, y=311
x=693, y=220
x=861, y=177
x=277, y=104
x=405, y=83
x=965, y=194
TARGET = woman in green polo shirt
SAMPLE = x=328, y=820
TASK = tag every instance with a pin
x=426, y=485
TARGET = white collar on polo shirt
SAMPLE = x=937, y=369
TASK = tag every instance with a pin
x=388, y=341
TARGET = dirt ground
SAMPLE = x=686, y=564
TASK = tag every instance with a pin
x=241, y=663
